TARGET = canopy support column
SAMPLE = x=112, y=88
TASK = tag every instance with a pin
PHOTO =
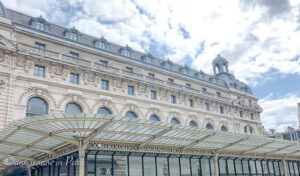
x=216, y=164
x=81, y=151
x=284, y=166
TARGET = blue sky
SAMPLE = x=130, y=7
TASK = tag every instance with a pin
x=260, y=38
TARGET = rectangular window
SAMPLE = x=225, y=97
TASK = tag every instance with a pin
x=171, y=80
x=204, y=89
x=74, y=55
x=130, y=90
x=173, y=99
x=151, y=75
x=153, y=94
x=241, y=114
x=191, y=103
x=207, y=106
x=129, y=70
x=74, y=78
x=104, y=85
x=103, y=62
x=218, y=94
x=39, y=71
x=221, y=109
x=40, y=45
x=251, y=116
x=188, y=85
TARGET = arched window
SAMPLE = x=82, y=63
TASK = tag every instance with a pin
x=104, y=111
x=223, y=128
x=73, y=108
x=209, y=126
x=73, y=36
x=251, y=130
x=131, y=115
x=154, y=118
x=174, y=121
x=246, y=129
x=40, y=25
x=35, y=106
x=193, y=124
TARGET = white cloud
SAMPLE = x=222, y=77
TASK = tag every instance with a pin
x=280, y=112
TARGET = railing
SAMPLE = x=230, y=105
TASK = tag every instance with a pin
x=37, y=51
x=84, y=63
x=154, y=80
x=106, y=68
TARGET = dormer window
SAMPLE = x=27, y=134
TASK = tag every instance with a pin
x=100, y=45
x=125, y=53
x=148, y=60
x=167, y=64
x=73, y=36
x=40, y=26
x=184, y=70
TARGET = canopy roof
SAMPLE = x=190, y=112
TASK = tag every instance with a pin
x=28, y=138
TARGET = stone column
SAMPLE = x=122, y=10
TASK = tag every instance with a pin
x=81, y=152
x=216, y=164
x=284, y=167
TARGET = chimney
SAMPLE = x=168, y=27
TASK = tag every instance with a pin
x=299, y=115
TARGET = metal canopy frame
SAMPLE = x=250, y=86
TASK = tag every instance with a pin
x=28, y=138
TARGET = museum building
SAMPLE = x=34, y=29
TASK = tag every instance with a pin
x=73, y=104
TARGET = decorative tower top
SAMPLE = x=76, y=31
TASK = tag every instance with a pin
x=220, y=65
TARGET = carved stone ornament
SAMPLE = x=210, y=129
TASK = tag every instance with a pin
x=21, y=61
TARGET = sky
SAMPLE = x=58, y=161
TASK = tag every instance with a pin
x=259, y=38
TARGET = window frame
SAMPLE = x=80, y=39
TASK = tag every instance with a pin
x=37, y=71
x=72, y=76
x=130, y=90
x=104, y=84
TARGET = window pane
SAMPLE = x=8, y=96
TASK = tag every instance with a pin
x=149, y=166
x=265, y=167
x=73, y=108
x=238, y=166
x=104, y=111
x=296, y=168
x=131, y=114
x=174, y=121
x=185, y=167
x=154, y=118
x=245, y=167
x=205, y=166
x=195, y=167
x=270, y=164
x=36, y=105
x=276, y=168
x=120, y=165
x=230, y=166
x=104, y=165
x=174, y=166
x=91, y=165
x=192, y=124
x=162, y=167
x=222, y=166
x=252, y=167
x=135, y=166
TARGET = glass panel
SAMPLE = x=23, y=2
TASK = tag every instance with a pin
x=296, y=169
x=162, y=167
x=222, y=166
x=185, y=167
x=230, y=166
x=104, y=165
x=265, y=167
x=46, y=170
x=276, y=168
x=63, y=169
x=238, y=166
x=91, y=165
x=135, y=166
x=245, y=167
x=192, y=124
x=205, y=166
x=195, y=167
x=174, y=166
x=291, y=168
x=258, y=167
x=174, y=121
x=281, y=167
x=271, y=169
x=252, y=167
x=149, y=166
x=120, y=165
x=209, y=126
x=212, y=166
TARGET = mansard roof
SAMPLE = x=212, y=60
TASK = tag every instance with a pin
x=59, y=31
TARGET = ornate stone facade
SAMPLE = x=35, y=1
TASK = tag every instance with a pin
x=219, y=100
